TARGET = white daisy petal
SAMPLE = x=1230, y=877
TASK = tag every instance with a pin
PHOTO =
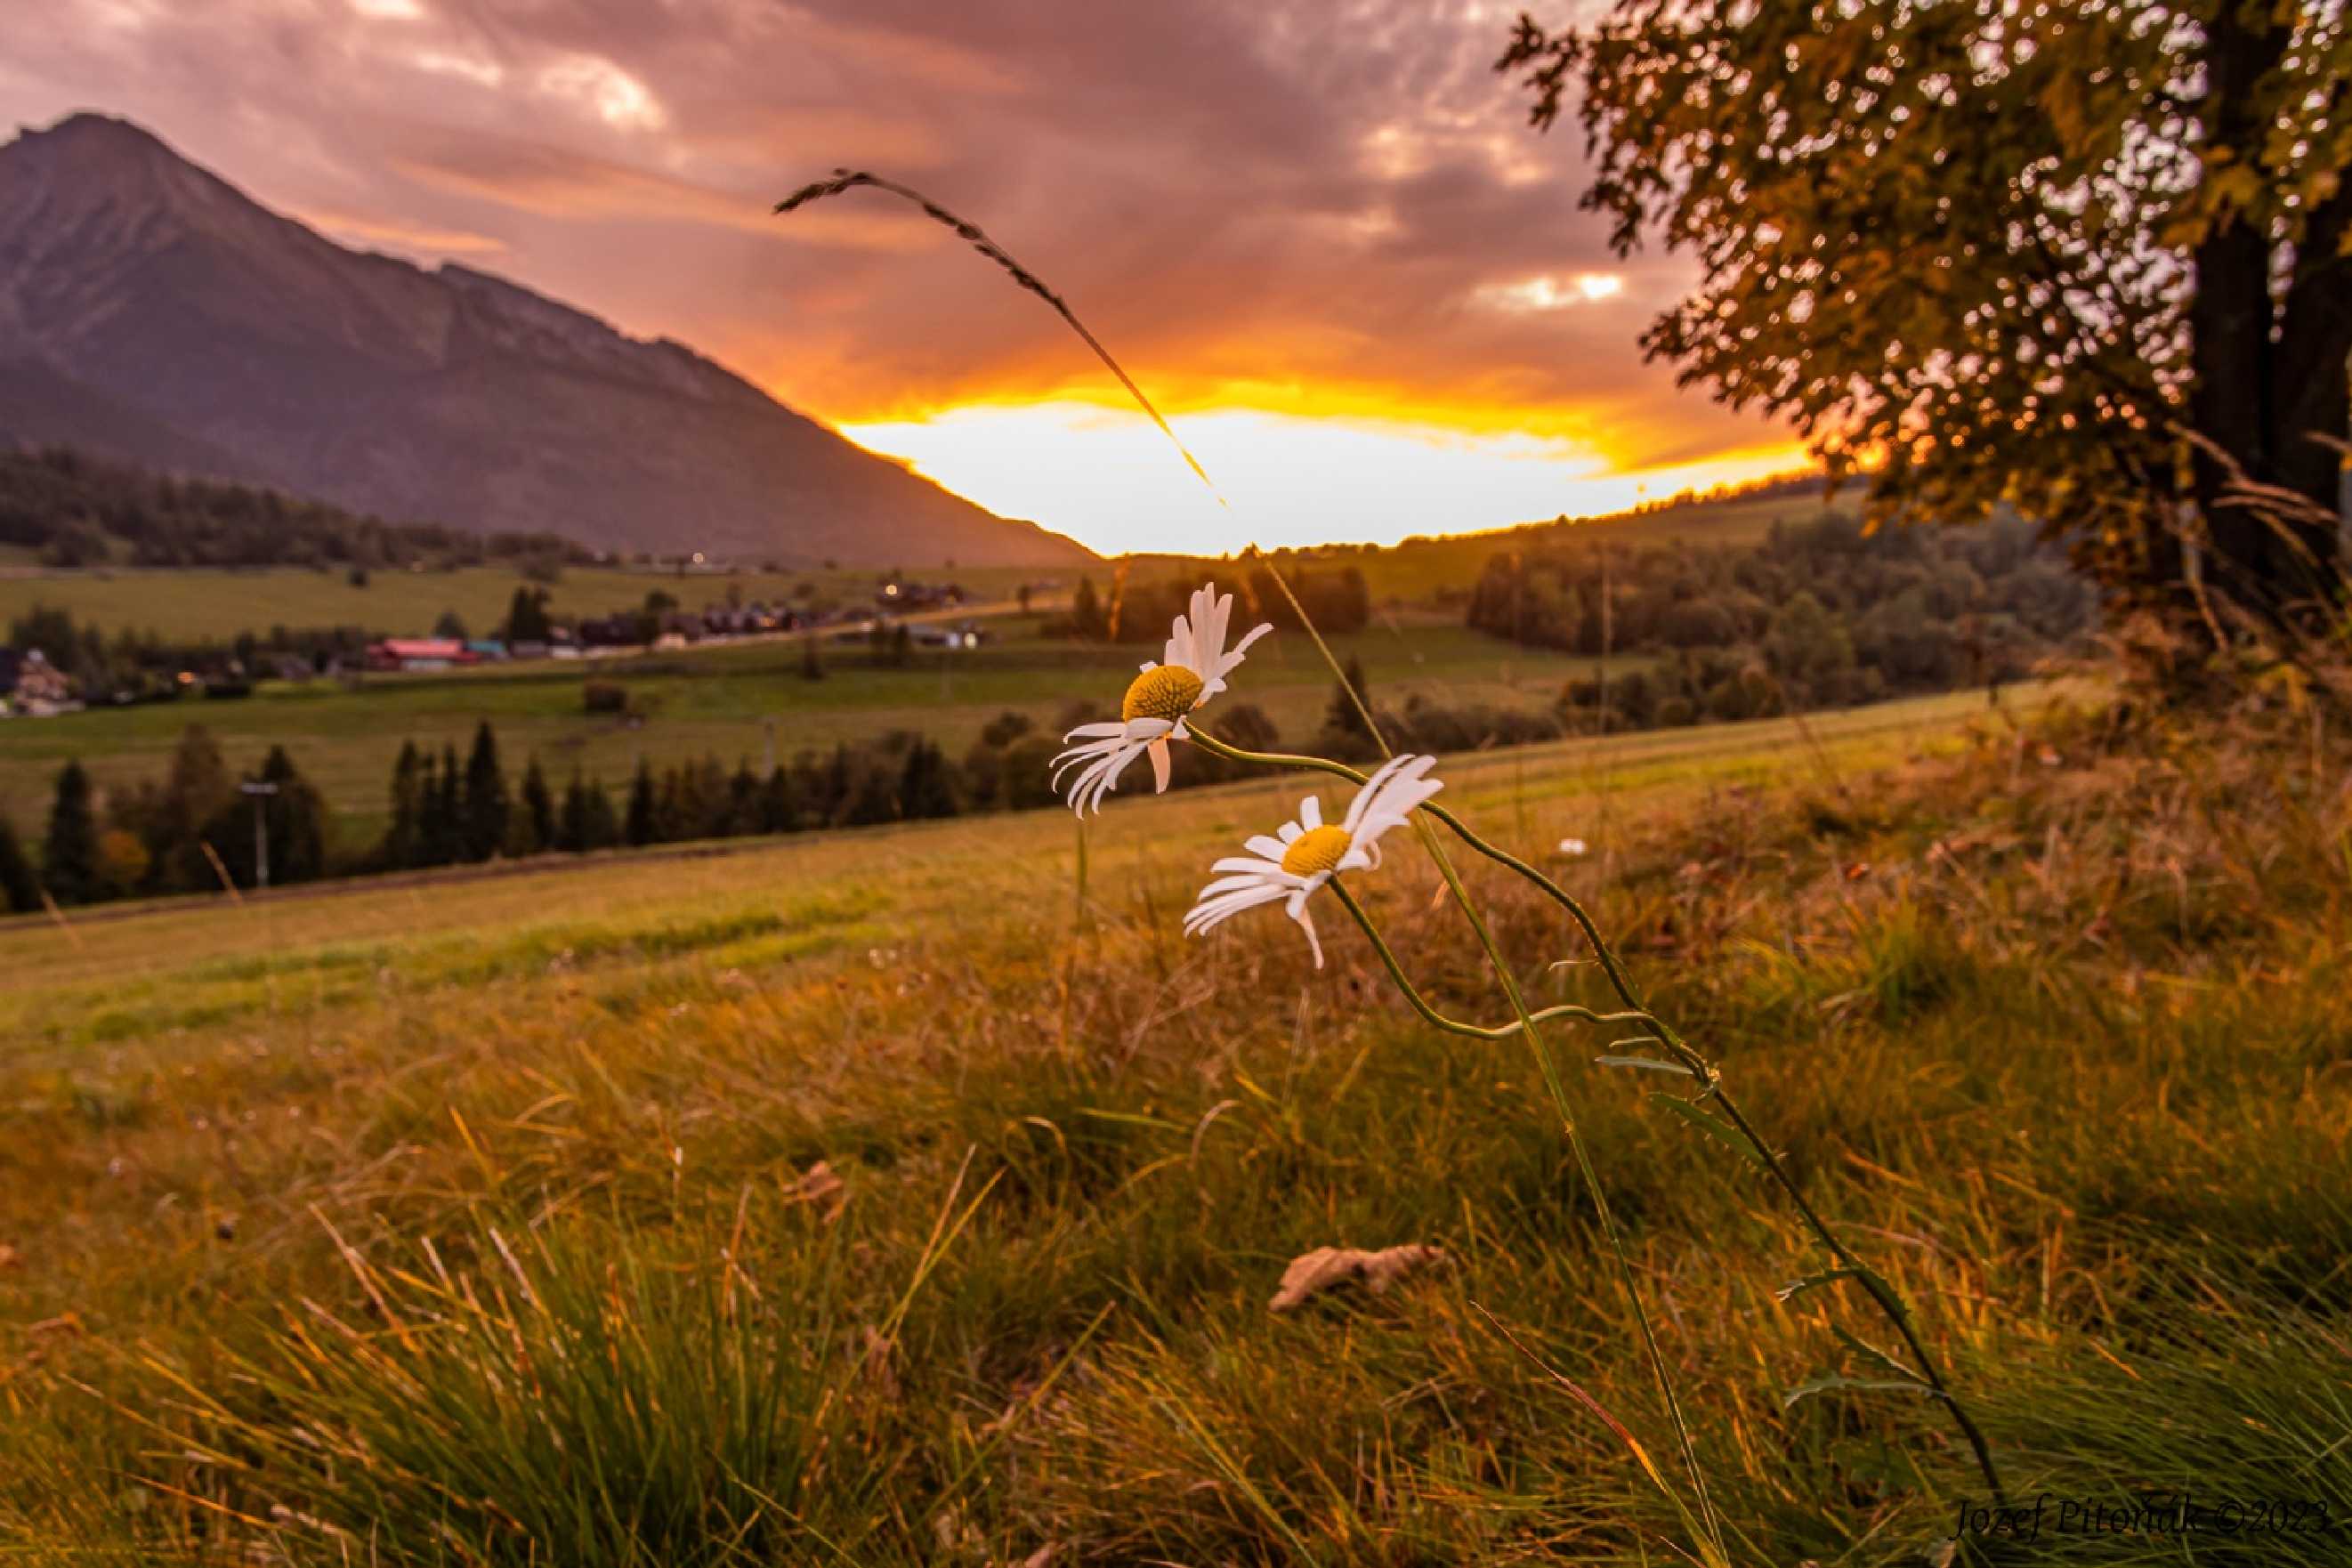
x=1310, y=813
x=1229, y=661
x=1217, y=910
x=1271, y=849
x=1297, y=911
x=1157, y=749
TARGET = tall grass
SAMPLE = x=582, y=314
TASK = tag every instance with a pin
x=2069, y=1056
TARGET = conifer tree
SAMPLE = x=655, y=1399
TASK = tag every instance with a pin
x=402, y=837
x=643, y=824
x=485, y=805
x=571, y=823
x=536, y=821
x=445, y=842
x=20, y=890
x=70, y=868
x=925, y=788
x=1086, y=619
x=297, y=820
x=779, y=805
x=601, y=828
x=744, y=815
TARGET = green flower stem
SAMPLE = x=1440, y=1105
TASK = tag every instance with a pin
x=1437, y=1020
x=1706, y=1527
x=1882, y=1294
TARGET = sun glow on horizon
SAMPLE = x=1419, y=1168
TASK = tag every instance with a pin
x=1109, y=479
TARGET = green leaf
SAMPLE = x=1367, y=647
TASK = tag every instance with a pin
x=1831, y=1276
x=1713, y=1126
x=1878, y=1358
x=1813, y=1281
x=1652, y=1063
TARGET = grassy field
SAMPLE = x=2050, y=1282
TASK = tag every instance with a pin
x=915, y=1194
x=219, y=605
x=718, y=701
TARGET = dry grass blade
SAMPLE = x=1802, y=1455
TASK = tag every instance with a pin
x=845, y=180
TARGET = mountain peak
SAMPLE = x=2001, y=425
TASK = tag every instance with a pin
x=150, y=310
x=91, y=144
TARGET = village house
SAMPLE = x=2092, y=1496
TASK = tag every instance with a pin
x=33, y=686
x=419, y=654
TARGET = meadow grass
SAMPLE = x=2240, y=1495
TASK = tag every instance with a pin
x=906, y=1195
x=211, y=604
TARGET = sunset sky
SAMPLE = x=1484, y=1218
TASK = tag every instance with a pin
x=1317, y=232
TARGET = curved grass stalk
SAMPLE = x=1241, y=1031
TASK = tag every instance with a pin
x=1707, y=1528
x=1848, y=1264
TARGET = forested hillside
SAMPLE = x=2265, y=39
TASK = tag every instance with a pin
x=1817, y=613
x=79, y=510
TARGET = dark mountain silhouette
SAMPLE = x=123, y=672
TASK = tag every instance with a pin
x=152, y=312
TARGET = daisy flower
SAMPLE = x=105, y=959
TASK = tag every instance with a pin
x=1309, y=852
x=1152, y=714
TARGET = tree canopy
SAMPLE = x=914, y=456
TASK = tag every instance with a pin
x=2085, y=257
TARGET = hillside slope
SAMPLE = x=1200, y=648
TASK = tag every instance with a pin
x=150, y=310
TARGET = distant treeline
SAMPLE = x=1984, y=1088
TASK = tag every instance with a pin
x=1818, y=614
x=182, y=833
x=1336, y=601
x=79, y=510
x=189, y=830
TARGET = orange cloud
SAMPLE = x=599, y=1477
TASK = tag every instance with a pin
x=1272, y=210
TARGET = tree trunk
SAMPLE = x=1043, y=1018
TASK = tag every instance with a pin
x=2268, y=381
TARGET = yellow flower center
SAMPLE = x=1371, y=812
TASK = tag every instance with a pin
x=1167, y=692
x=1317, y=849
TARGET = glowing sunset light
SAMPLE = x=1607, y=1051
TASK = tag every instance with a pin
x=1113, y=483
x=1336, y=257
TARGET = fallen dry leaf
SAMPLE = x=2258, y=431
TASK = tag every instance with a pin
x=1326, y=1267
x=817, y=1184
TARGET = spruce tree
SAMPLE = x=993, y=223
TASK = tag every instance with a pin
x=430, y=833
x=402, y=838
x=779, y=806
x=743, y=812
x=601, y=829
x=486, y=803
x=297, y=819
x=20, y=890
x=70, y=855
x=537, y=817
x=925, y=788
x=1086, y=619
x=643, y=825
x=571, y=822
x=445, y=825
x=527, y=615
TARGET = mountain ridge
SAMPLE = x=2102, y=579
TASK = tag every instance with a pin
x=152, y=312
